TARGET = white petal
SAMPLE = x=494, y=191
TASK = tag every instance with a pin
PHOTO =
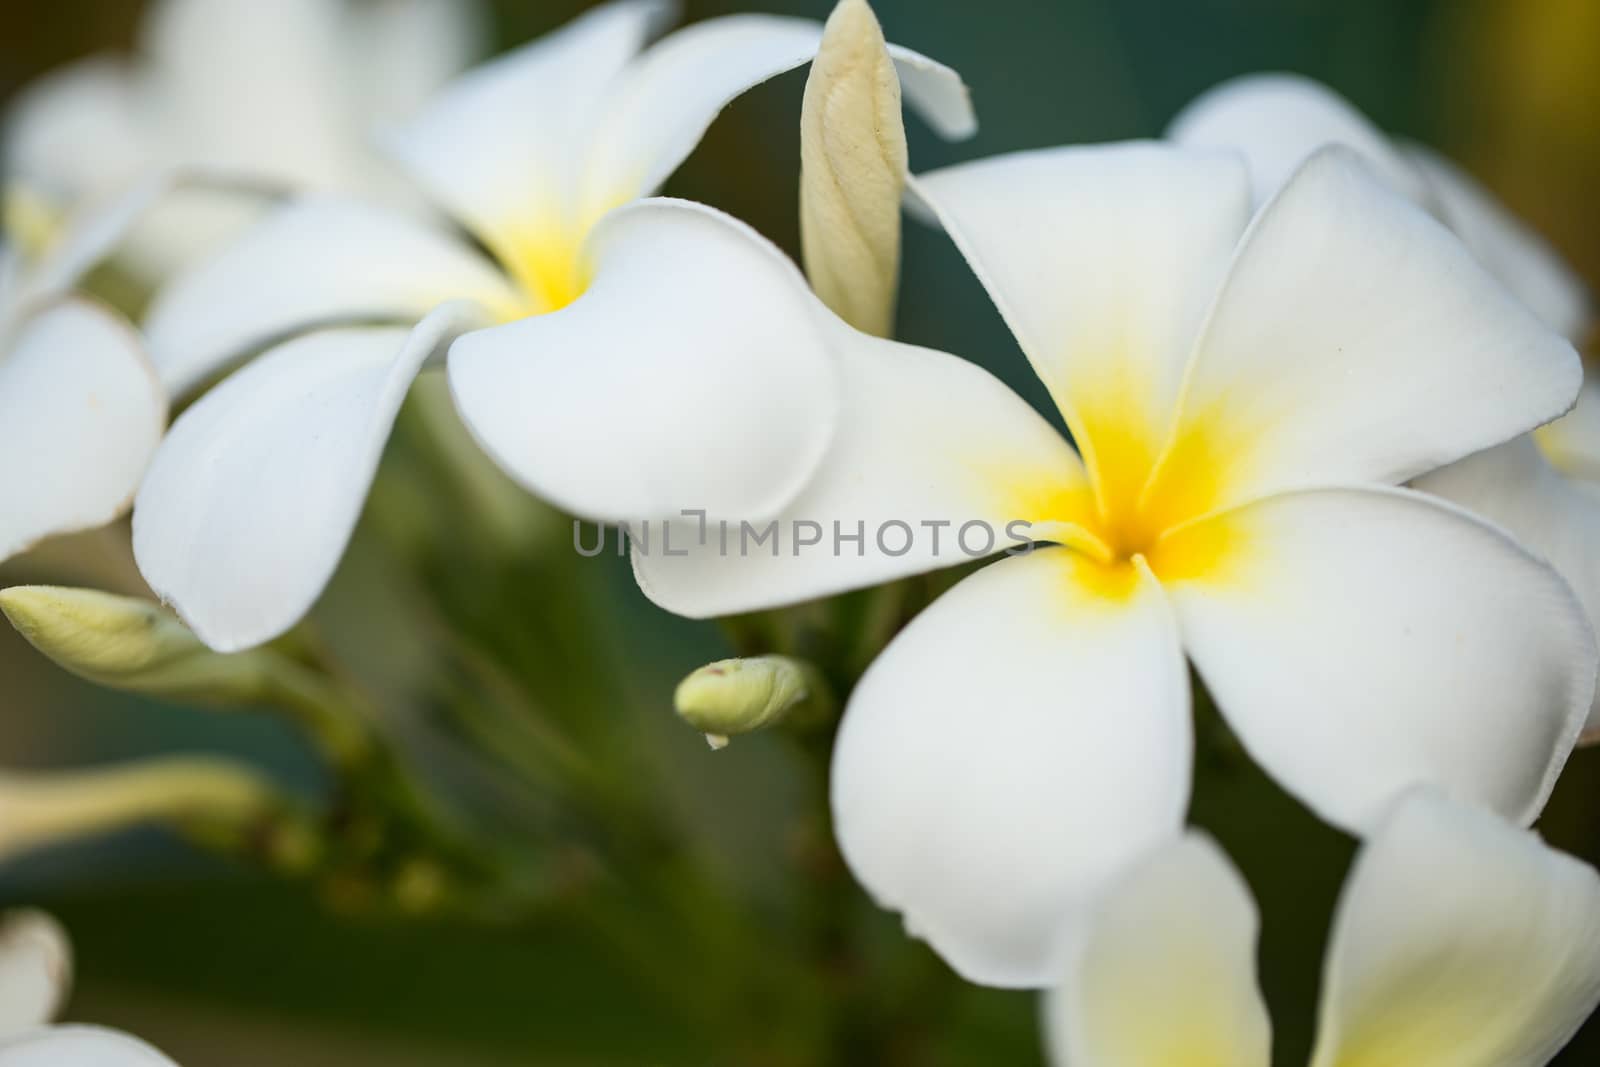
x=316, y=262
x=1012, y=750
x=1355, y=340
x=256, y=87
x=1278, y=120
x=92, y=234
x=1508, y=248
x=923, y=439
x=1515, y=486
x=252, y=498
x=1167, y=972
x=80, y=416
x=1459, y=942
x=410, y=48
x=1361, y=641
x=500, y=148
x=1104, y=261
x=665, y=101
x=35, y=970
x=80, y=131
x=695, y=372
x=79, y=1046
x=1572, y=442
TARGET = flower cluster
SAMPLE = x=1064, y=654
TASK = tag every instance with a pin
x=1328, y=443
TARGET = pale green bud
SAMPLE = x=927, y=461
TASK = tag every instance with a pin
x=45, y=808
x=134, y=645
x=853, y=170
x=736, y=696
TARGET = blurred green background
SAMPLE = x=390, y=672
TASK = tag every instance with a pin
x=219, y=966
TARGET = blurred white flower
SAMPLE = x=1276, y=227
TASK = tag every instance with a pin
x=1545, y=488
x=1459, y=941
x=285, y=91
x=1243, y=407
x=81, y=410
x=252, y=498
x=35, y=977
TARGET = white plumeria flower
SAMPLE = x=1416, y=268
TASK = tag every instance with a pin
x=1244, y=407
x=35, y=975
x=81, y=410
x=252, y=498
x=1544, y=488
x=285, y=91
x=1459, y=941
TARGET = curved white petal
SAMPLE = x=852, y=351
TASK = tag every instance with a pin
x=500, y=148
x=1508, y=248
x=1166, y=974
x=252, y=498
x=408, y=49
x=1356, y=340
x=81, y=130
x=1104, y=261
x=926, y=443
x=91, y=234
x=665, y=101
x=1012, y=750
x=1361, y=641
x=695, y=372
x=35, y=970
x=1515, y=486
x=79, y=1046
x=1459, y=942
x=80, y=415
x=1278, y=120
x=316, y=262
x=1572, y=442
x=262, y=88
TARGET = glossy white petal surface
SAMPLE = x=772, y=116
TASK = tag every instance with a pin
x=252, y=498
x=696, y=371
x=80, y=415
x=79, y=1046
x=1507, y=247
x=1361, y=641
x=1276, y=121
x=1104, y=261
x=316, y=262
x=1166, y=974
x=1014, y=748
x=1459, y=942
x=1515, y=486
x=1356, y=340
x=926, y=444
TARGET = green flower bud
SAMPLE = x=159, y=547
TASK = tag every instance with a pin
x=137, y=646
x=736, y=696
x=853, y=169
x=211, y=795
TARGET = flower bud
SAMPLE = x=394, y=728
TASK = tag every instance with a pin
x=852, y=171
x=735, y=696
x=134, y=645
x=35, y=970
x=52, y=807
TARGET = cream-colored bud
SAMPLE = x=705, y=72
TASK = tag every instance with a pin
x=52, y=807
x=35, y=970
x=853, y=170
x=132, y=644
x=736, y=696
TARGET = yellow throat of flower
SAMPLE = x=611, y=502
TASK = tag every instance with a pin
x=1149, y=488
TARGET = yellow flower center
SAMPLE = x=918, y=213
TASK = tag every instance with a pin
x=1147, y=486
